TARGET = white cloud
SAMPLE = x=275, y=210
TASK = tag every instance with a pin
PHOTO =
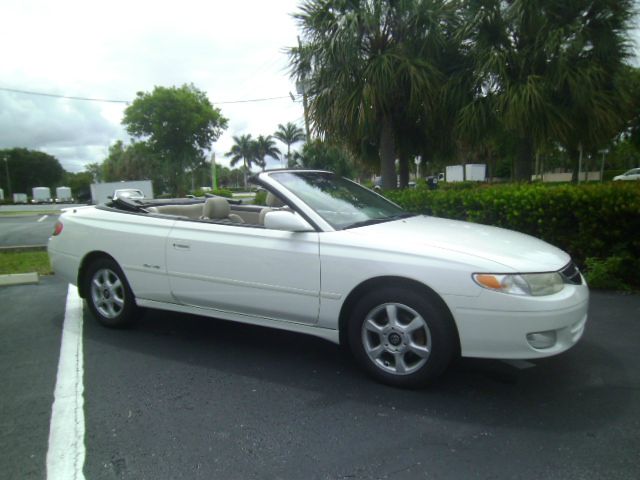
x=231, y=50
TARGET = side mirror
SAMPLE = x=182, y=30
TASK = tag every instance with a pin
x=287, y=221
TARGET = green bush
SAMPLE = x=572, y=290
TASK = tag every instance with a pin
x=611, y=273
x=221, y=192
x=261, y=198
x=588, y=221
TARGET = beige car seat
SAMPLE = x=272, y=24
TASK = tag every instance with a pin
x=217, y=208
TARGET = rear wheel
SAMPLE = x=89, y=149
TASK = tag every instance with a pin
x=401, y=337
x=109, y=296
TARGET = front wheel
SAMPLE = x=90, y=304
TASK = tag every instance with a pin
x=401, y=337
x=109, y=296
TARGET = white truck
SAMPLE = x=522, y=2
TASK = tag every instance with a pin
x=19, y=198
x=102, y=192
x=41, y=195
x=473, y=172
x=1, y=194
x=63, y=195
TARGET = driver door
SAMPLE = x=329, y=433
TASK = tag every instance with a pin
x=247, y=270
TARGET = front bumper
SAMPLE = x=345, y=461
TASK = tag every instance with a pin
x=498, y=325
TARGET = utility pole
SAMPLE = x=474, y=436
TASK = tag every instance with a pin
x=6, y=169
x=604, y=153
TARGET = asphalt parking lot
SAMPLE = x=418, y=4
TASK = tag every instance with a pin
x=179, y=396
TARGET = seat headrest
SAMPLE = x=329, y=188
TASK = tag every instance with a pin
x=215, y=208
x=273, y=201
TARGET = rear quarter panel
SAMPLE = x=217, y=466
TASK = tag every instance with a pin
x=135, y=241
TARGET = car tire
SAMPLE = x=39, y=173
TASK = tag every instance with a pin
x=108, y=294
x=402, y=337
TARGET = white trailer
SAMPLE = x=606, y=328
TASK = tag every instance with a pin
x=19, y=198
x=476, y=172
x=63, y=195
x=41, y=195
x=101, y=192
x=454, y=173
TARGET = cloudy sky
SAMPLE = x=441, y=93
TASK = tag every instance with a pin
x=232, y=50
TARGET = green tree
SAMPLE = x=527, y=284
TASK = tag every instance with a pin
x=264, y=147
x=28, y=169
x=95, y=169
x=545, y=71
x=289, y=134
x=371, y=70
x=137, y=161
x=242, y=151
x=178, y=124
x=79, y=183
x=322, y=155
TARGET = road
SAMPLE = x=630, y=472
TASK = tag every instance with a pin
x=28, y=227
x=178, y=396
x=26, y=230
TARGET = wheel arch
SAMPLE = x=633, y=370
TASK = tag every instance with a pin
x=385, y=281
x=84, y=265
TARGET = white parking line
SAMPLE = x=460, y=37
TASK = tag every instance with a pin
x=65, y=456
x=44, y=217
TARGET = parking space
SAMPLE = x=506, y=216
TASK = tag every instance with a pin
x=179, y=396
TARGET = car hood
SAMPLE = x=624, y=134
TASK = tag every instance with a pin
x=515, y=251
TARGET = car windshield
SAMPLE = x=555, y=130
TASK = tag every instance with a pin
x=340, y=202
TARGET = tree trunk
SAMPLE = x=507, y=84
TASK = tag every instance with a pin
x=522, y=166
x=387, y=153
x=244, y=174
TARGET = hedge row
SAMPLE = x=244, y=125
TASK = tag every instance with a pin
x=591, y=221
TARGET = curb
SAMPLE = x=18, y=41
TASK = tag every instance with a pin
x=19, y=279
x=24, y=248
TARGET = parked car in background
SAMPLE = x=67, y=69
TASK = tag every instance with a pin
x=103, y=192
x=327, y=257
x=633, y=174
x=130, y=193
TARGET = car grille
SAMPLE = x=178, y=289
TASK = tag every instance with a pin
x=571, y=274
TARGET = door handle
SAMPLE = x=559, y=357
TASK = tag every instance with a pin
x=181, y=246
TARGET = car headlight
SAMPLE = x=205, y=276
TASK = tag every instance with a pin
x=532, y=284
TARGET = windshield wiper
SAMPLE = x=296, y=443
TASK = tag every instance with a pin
x=373, y=221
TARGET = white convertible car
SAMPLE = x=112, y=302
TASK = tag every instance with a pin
x=330, y=258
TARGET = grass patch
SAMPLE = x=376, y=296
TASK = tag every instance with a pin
x=24, y=262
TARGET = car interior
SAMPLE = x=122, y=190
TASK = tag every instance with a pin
x=218, y=209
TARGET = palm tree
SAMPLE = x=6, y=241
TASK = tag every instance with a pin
x=370, y=68
x=545, y=71
x=242, y=151
x=264, y=147
x=289, y=134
